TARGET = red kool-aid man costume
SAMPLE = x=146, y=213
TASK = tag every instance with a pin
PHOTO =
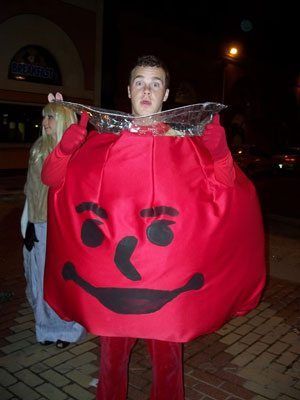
x=152, y=237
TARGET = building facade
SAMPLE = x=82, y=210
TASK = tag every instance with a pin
x=45, y=47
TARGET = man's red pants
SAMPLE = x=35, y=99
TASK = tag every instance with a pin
x=166, y=359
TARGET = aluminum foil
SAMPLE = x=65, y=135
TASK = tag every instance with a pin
x=183, y=121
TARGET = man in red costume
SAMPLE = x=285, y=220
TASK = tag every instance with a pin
x=150, y=236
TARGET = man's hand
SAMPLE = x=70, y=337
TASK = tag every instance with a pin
x=214, y=139
x=30, y=236
x=74, y=136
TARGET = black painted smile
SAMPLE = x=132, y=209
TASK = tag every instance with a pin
x=131, y=301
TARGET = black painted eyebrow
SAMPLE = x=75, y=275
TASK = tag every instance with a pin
x=89, y=206
x=156, y=211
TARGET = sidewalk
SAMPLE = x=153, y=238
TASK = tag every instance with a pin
x=253, y=357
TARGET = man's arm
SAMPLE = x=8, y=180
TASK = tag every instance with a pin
x=214, y=139
x=55, y=165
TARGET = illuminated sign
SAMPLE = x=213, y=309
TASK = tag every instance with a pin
x=34, y=64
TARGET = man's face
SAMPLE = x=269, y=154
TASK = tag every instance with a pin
x=147, y=90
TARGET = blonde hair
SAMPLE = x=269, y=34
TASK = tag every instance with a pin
x=64, y=117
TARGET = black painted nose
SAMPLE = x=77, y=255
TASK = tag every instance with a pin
x=124, y=251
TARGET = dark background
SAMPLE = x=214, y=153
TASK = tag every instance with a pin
x=263, y=85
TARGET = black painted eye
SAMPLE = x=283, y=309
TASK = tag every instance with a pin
x=159, y=232
x=91, y=234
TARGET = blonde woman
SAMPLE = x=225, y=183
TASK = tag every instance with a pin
x=49, y=327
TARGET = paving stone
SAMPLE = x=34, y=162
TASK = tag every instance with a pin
x=203, y=376
x=278, y=347
x=5, y=394
x=11, y=362
x=238, y=391
x=236, y=348
x=262, y=361
x=293, y=392
x=267, y=313
x=268, y=326
x=19, y=336
x=295, y=348
x=252, y=313
x=24, y=392
x=25, y=318
x=250, y=338
x=243, y=329
x=6, y=379
x=257, y=348
x=25, y=311
x=77, y=392
x=51, y=392
x=225, y=329
x=76, y=362
x=135, y=394
x=211, y=391
x=55, y=378
x=22, y=327
x=59, y=359
x=10, y=348
x=275, y=334
x=39, y=368
x=139, y=381
x=240, y=320
x=256, y=321
x=28, y=361
x=230, y=338
x=277, y=367
x=287, y=358
x=243, y=359
x=83, y=348
x=80, y=378
x=261, y=390
x=29, y=378
x=89, y=369
x=263, y=305
x=291, y=338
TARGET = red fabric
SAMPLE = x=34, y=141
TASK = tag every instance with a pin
x=55, y=165
x=224, y=170
x=54, y=168
x=166, y=360
x=180, y=269
x=74, y=136
x=214, y=139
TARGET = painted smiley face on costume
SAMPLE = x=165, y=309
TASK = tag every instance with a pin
x=129, y=300
x=142, y=240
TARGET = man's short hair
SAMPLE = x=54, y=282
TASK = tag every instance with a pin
x=151, y=61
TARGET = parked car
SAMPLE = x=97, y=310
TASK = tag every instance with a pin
x=287, y=160
x=252, y=160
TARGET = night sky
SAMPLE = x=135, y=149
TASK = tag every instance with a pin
x=267, y=31
x=268, y=28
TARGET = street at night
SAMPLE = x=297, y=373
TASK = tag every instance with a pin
x=135, y=260
x=279, y=195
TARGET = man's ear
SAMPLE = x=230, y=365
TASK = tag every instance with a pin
x=166, y=95
x=129, y=93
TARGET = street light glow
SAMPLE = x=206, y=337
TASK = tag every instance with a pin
x=233, y=51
